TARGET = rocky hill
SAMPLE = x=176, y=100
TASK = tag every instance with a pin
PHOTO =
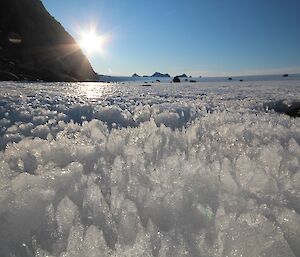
x=34, y=46
x=182, y=76
x=160, y=75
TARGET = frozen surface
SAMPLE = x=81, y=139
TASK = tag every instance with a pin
x=202, y=169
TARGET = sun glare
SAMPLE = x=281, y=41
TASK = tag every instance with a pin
x=91, y=43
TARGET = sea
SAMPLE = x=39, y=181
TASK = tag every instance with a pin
x=276, y=77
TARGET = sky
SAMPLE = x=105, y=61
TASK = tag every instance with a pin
x=196, y=37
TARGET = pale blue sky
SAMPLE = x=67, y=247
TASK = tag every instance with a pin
x=196, y=37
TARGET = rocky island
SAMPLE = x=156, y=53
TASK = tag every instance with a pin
x=182, y=76
x=155, y=75
x=35, y=47
x=160, y=75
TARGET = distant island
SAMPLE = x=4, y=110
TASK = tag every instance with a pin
x=35, y=47
x=160, y=75
x=182, y=76
x=155, y=75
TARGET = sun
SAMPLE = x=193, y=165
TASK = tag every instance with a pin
x=91, y=43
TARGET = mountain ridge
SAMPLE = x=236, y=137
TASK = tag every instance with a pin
x=35, y=46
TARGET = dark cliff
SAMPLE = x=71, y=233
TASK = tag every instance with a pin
x=34, y=46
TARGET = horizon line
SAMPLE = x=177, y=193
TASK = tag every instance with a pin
x=216, y=76
x=209, y=73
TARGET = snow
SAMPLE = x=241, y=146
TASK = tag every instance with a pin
x=94, y=169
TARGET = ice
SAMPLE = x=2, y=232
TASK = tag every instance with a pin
x=204, y=170
x=270, y=157
x=289, y=222
x=128, y=223
x=253, y=235
x=40, y=131
x=94, y=244
x=227, y=181
x=75, y=241
x=168, y=118
x=67, y=214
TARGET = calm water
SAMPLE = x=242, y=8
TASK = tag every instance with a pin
x=204, y=79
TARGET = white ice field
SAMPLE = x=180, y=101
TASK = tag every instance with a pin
x=192, y=169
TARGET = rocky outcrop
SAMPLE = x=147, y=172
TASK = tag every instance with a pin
x=135, y=75
x=182, y=76
x=176, y=79
x=34, y=46
x=160, y=75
